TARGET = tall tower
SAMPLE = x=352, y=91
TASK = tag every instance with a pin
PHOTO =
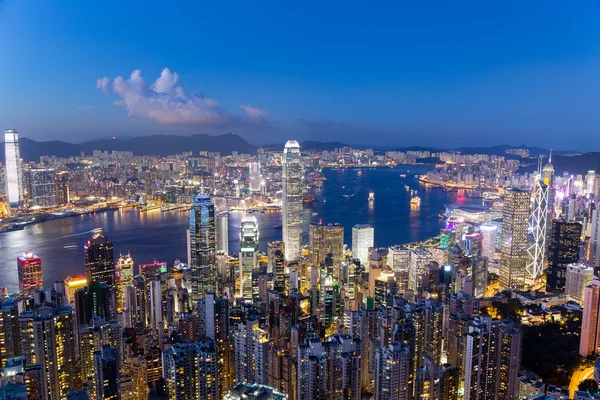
x=41, y=187
x=589, y=342
x=223, y=231
x=363, y=237
x=325, y=239
x=30, y=273
x=538, y=225
x=124, y=276
x=100, y=260
x=62, y=188
x=292, y=201
x=254, y=172
x=203, y=262
x=513, y=252
x=14, y=169
x=248, y=255
x=562, y=251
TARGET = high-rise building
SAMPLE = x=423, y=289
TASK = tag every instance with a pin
x=190, y=371
x=63, y=195
x=291, y=201
x=41, y=187
x=513, y=252
x=72, y=284
x=29, y=268
x=363, y=237
x=589, y=342
x=9, y=330
x=594, y=251
x=538, y=224
x=325, y=239
x=14, y=169
x=124, y=276
x=248, y=255
x=100, y=260
x=579, y=276
x=488, y=245
x=223, y=231
x=562, y=251
x=254, y=173
x=203, y=262
x=251, y=344
x=319, y=369
x=392, y=372
x=107, y=365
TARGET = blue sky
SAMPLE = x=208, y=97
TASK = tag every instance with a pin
x=435, y=73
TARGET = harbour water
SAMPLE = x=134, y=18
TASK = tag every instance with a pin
x=343, y=198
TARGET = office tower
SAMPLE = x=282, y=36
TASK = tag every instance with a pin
x=399, y=258
x=291, y=202
x=203, y=263
x=14, y=169
x=123, y=276
x=589, y=342
x=272, y=247
x=29, y=268
x=279, y=276
x=251, y=344
x=248, y=255
x=489, y=233
x=106, y=362
x=538, y=224
x=190, y=371
x=41, y=187
x=96, y=300
x=213, y=317
x=392, y=372
x=513, y=252
x=100, y=261
x=319, y=369
x=47, y=337
x=9, y=330
x=72, y=284
x=152, y=271
x=562, y=251
x=223, y=231
x=156, y=307
x=254, y=173
x=590, y=183
x=325, y=239
x=594, y=250
x=578, y=277
x=363, y=238
x=63, y=195
x=419, y=259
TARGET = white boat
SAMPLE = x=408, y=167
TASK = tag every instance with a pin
x=416, y=200
x=371, y=196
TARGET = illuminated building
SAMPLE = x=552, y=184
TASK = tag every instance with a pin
x=578, y=277
x=41, y=187
x=223, y=231
x=107, y=366
x=136, y=368
x=325, y=239
x=399, y=258
x=13, y=168
x=152, y=271
x=319, y=369
x=48, y=338
x=254, y=173
x=251, y=344
x=29, y=267
x=291, y=202
x=562, y=251
x=513, y=252
x=419, y=258
x=92, y=338
x=96, y=300
x=243, y=391
x=248, y=255
x=589, y=342
x=488, y=245
x=279, y=275
x=363, y=238
x=203, y=262
x=594, y=251
x=9, y=330
x=190, y=371
x=100, y=261
x=538, y=224
x=72, y=284
x=124, y=276
x=392, y=372
x=63, y=195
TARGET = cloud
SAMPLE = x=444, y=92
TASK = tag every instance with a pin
x=102, y=84
x=254, y=111
x=167, y=102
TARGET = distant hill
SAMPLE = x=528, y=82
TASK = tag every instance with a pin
x=157, y=145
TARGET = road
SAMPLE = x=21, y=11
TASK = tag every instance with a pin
x=579, y=377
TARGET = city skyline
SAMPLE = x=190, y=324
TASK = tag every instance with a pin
x=410, y=74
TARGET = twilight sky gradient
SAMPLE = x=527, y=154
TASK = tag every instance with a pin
x=439, y=73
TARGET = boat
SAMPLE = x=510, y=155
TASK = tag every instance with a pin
x=371, y=196
x=416, y=200
x=442, y=215
x=402, y=175
x=359, y=172
x=12, y=227
x=406, y=187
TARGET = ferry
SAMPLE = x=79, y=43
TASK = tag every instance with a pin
x=371, y=196
x=402, y=175
x=416, y=200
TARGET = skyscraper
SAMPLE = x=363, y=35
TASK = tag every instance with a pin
x=41, y=187
x=488, y=245
x=30, y=273
x=254, y=172
x=124, y=276
x=539, y=217
x=63, y=195
x=190, y=371
x=562, y=251
x=223, y=231
x=363, y=237
x=100, y=261
x=513, y=252
x=248, y=255
x=14, y=169
x=325, y=239
x=589, y=342
x=392, y=372
x=203, y=262
x=594, y=251
x=292, y=201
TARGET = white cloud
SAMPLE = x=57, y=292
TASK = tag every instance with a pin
x=102, y=84
x=254, y=111
x=166, y=101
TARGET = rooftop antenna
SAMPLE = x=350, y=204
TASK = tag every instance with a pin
x=550, y=159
